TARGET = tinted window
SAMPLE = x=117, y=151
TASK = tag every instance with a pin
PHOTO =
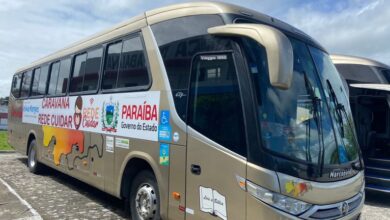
x=76, y=83
x=125, y=65
x=177, y=50
x=214, y=96
x=26, y=83
x=385, y=73
x=289, y=120
x=348, y=148
x=132, y=70
x=62, y=83
x=111, y=66
x=16, y=82
x=86, y=69
x=91, y=77
x=355, y=73
x=43, y=80
x=53, y=78
x=35, y=81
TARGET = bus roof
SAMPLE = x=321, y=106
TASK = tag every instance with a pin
x=161, y=14
x=345, y=59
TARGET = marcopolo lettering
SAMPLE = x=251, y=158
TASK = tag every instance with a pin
x=341, y=173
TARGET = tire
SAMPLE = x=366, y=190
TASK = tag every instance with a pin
x=144, y=197
x=32, y=162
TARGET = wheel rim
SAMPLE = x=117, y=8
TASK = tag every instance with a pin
x=146, y=202
x=32, y=157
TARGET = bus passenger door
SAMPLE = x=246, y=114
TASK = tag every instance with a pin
x=216, y=144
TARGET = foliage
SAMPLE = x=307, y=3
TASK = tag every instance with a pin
x=4, y=141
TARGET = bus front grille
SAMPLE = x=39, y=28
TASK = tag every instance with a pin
x=334, y=211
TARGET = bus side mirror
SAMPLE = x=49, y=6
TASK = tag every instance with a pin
x=278, y=47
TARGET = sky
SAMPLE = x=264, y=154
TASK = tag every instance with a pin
x=32, y=29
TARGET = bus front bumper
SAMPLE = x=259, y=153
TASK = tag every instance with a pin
x=265, y=211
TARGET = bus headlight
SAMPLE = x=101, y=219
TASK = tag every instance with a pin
x=279, y=201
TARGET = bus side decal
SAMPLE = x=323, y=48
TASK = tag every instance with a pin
x=65, y=140
x=131, y=115
x=61, y=142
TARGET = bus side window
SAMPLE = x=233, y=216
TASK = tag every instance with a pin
x=215, y=108
x=26, y=83
x=16, y=83
x=132, y=69
x=125, y=65
x=62, y=82
x=53, y=78
x=91, y=76
x=76, y=82
x=35, y=82
x=43, y=80
x=110, y=73
x=86, y=68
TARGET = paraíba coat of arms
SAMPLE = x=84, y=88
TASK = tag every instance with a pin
x=110, y=114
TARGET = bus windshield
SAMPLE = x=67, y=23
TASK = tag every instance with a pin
x=338, y=105
x=296, y=123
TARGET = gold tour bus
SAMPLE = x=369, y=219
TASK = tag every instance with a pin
x=196, y=111
x=369, y=91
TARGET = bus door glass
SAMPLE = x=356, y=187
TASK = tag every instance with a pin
x=216, y=146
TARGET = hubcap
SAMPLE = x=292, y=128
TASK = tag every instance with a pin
x=146, y=202
x=31, y=157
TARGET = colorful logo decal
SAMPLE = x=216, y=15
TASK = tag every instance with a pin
x=297, y=189
x=164, y=129
x=110, y=113
x=90, y=114
x=164, y=154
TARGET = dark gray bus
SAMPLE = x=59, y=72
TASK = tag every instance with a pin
x=369, y=92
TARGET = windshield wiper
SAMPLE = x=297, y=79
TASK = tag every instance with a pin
x=340, y=111
x=316, y=102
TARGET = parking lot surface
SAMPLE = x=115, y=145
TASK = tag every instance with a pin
x=54, y=195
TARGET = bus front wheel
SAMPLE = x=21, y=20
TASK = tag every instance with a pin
x=32, y=162
x=144, y=197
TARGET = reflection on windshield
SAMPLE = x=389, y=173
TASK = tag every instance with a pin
x=339, y=106
x=294, y=122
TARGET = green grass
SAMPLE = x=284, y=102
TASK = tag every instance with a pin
x=3, y=141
